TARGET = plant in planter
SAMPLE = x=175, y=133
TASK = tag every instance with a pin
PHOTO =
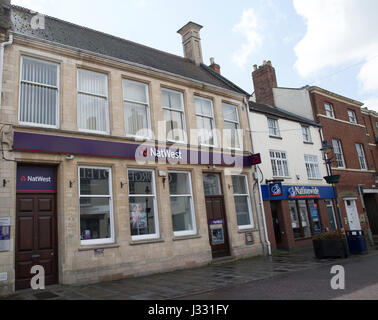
x=330, y=245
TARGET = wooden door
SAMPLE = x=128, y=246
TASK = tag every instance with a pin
x=36, y=238
x=216, y=215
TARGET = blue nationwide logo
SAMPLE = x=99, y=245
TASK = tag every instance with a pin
x=276, y=189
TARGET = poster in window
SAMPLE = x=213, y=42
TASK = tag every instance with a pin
x=138, y=215
x=217, y=234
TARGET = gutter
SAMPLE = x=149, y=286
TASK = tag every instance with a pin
x=257, y=178
x=2, y=48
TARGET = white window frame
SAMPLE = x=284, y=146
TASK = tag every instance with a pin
x=340, y=154
x=208, y=117
x=282, y=160
x=352, y=117
x=238, y=128
x=177, y=110
x=330, y=110
x=275, y=128
x=193, y=214
x=312, y=166
x=145, y=104
x=110, y=196
x=252, y=225
x=155, y=235
x=32, y=124
x=306, y=132
x=361, y=156
x=107, y=131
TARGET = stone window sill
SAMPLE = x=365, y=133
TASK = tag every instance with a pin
x=195, y=236
x=98, y=246
x=276, y=137
x=147, y=241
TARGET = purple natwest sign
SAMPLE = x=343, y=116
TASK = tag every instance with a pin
x=35, y=178
x=24, y=141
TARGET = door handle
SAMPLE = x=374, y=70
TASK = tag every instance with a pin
x=36, y=256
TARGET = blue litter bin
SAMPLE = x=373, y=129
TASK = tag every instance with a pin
x=356, y=241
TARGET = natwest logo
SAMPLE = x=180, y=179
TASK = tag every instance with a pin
x=161, y=153
x=36, y=179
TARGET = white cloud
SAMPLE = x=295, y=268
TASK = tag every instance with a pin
x=339, y=33
x=249, y=28
x=371, y=103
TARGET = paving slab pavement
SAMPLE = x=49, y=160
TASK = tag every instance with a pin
x=181, y=283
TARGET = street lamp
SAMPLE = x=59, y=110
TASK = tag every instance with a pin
x=331, y=179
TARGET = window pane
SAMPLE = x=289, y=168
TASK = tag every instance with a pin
x=231, y=135
x=230, y=113
x=242, y=210
x=172, y=100
x=92, y=82
x=174, y=125
x=92, y=112
x=39, y=71
x=294, y=219
x=95, y=218
x=205, y=127
x=38, y=104
x=181, y=214
x=94, y=181
x=142, y=215
x=140, y=182
x=179, y=183
x=136, y=119
x=239, y=185
x=304, y=218
x=211, y=184
x=134, y=91
x=203, y=107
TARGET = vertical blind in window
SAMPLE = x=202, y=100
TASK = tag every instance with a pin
x=205, y=121
x=137, y=118
x=39, y=92
x=92, y=101
x=231, y=126
x=174, y=117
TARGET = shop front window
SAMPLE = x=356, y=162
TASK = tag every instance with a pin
x=142, y=203
x=180, y=189
x=304, y=217
x=96, y=206
x=294, y=219
x=315, y=218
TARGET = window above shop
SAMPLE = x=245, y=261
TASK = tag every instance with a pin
x=39, y=93
x=273, y=128
x=137, y=109
x=92, y=101
x=329, y=110
x=352, y=116
x=205, y=122
x=231, y=136
x=279, y=163
x=306, y=134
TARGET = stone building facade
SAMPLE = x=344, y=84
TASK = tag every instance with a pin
x=87, y=195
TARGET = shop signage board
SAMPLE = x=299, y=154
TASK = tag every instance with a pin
x=35, y=178
x=25, y=141
x=298, y=192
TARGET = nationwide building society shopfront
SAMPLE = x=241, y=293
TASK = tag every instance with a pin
x=91, y=210
x=296, y=213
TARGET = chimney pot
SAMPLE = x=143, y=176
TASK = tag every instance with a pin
x=191, y=41
x=214, y=66
x=255, y=67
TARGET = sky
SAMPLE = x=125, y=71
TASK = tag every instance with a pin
x=332, y=44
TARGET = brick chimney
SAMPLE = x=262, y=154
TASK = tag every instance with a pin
x=214, y=66
x=5, y=22
x=264, y=80
x=191, y=41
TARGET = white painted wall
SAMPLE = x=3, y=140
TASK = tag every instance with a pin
x=296, y=101
x=292, y=143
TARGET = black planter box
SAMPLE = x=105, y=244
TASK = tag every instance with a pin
x=330, y=248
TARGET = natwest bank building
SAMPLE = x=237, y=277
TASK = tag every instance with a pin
x=101, y=176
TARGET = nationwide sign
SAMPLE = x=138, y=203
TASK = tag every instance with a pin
x=275, y=189
x=303, y=192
